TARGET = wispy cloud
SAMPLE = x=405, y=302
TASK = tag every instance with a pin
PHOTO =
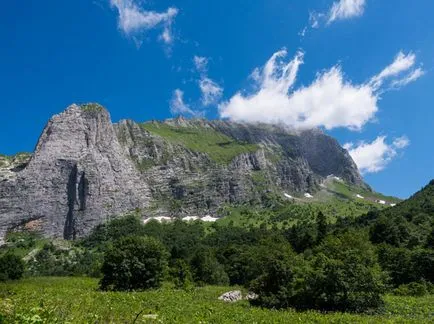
x=211, y=91
x=201, y=63
x=403, y=63
x=330, y=101
x=375, y=156
x=340, y=10
x=134, y=20
x=179, y=107
x=346, y=9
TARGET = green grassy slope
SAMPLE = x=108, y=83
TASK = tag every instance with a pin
x=77, y=300
x=421, y=202
x=291, y=213
x=219, y=147
x=344, y=190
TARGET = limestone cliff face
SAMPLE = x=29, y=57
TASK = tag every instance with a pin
x=77, y=178
x=188, y=181
x=86, y=170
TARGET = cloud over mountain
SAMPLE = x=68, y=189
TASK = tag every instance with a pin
x=330, y=101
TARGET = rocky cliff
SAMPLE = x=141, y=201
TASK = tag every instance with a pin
x=85, y=169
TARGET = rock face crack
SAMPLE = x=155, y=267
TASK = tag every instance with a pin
x=69, y=232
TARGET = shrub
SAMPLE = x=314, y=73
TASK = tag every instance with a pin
x=282, y=284
x=180, y=274
x=412, y=289
x=206, y=268
x=134, y=263
x=11, y=267
x=65, y=261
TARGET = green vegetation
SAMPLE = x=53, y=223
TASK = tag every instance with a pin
x=77, y=300
x=347, y=191
x=134, y=263
x=11, y=267
x=285, y=214
x=21, y=157
x=314, y=262
x=219, y=147
x=92, y=107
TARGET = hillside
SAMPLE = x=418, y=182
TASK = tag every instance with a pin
x=408, y=224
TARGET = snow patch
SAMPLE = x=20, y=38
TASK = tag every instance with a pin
x=360, y=196
x=392, y=205
x=381, y=202
x=208, y=219
x=190, y=218
x=308, y=195
x=288, y=196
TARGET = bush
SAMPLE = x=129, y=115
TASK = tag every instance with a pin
x=206, y=268
x=180, y=274
x=134, y=263
x=412, y=289
x=65, y=261
x=282, y=284
x=11, y=267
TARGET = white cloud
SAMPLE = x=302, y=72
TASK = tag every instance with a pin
x=340, y=10
x=211, y=91
x=201, y=63
x=413, y=76
x=401, y=142
x=133, y=19
x=179, y=107
x=345, y=9
x=375, y=156
x=330, y=101
x=314, y=19
x=401, y=64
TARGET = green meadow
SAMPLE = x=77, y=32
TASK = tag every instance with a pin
x=78, y=300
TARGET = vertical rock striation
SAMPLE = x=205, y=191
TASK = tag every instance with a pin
x=77, y=178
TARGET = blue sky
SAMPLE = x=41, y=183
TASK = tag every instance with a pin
x=360, y=69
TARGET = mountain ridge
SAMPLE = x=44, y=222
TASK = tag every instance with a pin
x=86, y=170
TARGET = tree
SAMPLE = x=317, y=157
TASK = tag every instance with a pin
x=282, y=283
x=346, y=275
x=134, y=263
x=206, y=269
x=130, y=225
x=181, y=274
x=321, y=227
x=11, y=267
x=342, y=275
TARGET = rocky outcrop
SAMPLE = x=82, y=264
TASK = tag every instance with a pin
x=231, y=296
x=77, y=178
x=86, y=170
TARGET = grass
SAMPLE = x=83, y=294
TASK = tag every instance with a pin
x=6, y=160
x=350, y=191
x=92, y=107
x=219, y=147
x=290, y=213
x=77, y=300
